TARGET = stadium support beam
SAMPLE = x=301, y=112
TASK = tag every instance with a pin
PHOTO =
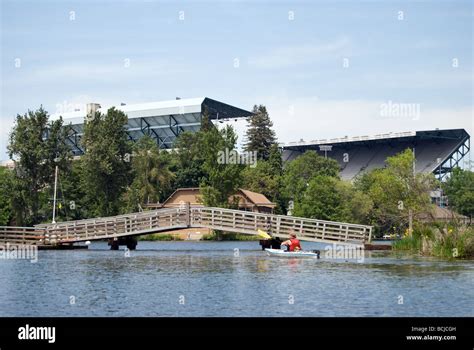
x=130, y=137
x=173, y=123
x=74, y=140
x=446, y=167
x=146, y=129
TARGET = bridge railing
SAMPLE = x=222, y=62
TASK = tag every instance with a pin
x=115, y=226
x=280, y=225
x=20, y=235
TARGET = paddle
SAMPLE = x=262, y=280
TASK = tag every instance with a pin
x=263, y=234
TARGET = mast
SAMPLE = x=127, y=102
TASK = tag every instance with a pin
x=55, y=189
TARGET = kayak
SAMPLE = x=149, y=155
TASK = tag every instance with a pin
x=285, y=254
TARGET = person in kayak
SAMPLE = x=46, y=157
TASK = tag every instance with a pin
x=293, y=243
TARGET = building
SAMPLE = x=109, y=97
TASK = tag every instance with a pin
x=438, y=214
x=436, y=151
x=247, y=200
x=163, y=120
x=10, y=164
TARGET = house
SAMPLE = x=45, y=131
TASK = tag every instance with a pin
x=439, y=214
x=247, y=200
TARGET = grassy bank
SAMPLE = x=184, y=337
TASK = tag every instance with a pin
x=452, y=242
x=229, y=236
x=226, y=236
x=159, y=237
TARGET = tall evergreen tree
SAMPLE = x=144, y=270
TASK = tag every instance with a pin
x=260, y=136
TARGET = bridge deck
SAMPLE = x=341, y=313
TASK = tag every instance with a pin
x=161, y=220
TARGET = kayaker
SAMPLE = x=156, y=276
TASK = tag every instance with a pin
x=293, y=243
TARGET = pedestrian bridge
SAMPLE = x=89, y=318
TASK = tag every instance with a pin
x=165, y=220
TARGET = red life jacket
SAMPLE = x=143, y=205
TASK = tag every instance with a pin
x=294, y=243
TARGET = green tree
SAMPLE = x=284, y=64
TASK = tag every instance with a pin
x=460, y=191
x=187, y=160
x=151, y=174
x=36, y=145
x=260, y=136
x=355, y=206
x=329, y=198
x=266, y=178
x=396, y=191
x=106, y=162
x=221, y=179
x=6, y=182
x=72, y=194
x=320, y=199
x=298, y=173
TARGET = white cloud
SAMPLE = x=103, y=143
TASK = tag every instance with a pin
x=312, y=118
x=302, y=54
x=116, y=71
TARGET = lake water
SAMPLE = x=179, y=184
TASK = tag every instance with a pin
x=208, y=279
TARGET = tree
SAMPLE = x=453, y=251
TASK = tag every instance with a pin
x=460, y=191
x=221, y=179
x=187, y=160
x=6, y=210
x=151, y=174
x=355, y=206
x=300, y=171
x=329, y=198
x=397, y=193
x=260, y=136
x=319, y=200
x=72, y=193
x=106, y=162
x=266, y=178
x=36, y=145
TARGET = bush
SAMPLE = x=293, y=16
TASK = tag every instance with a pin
x=455, y=243
x=449, y=242
x=229, y=236
x=160, y=237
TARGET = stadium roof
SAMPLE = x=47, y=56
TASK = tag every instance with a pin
x=436, y=151
x=163, y=120
x=451, y=133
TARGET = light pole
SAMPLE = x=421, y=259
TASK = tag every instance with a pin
x=325, y=148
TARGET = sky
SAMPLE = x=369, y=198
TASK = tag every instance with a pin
x=324, y=69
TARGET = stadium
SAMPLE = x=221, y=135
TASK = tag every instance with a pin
x=163, y=120
x=436, y=151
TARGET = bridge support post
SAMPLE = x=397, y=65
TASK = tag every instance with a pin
x=131, y=243
x=114, y=244
x=188, y=214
